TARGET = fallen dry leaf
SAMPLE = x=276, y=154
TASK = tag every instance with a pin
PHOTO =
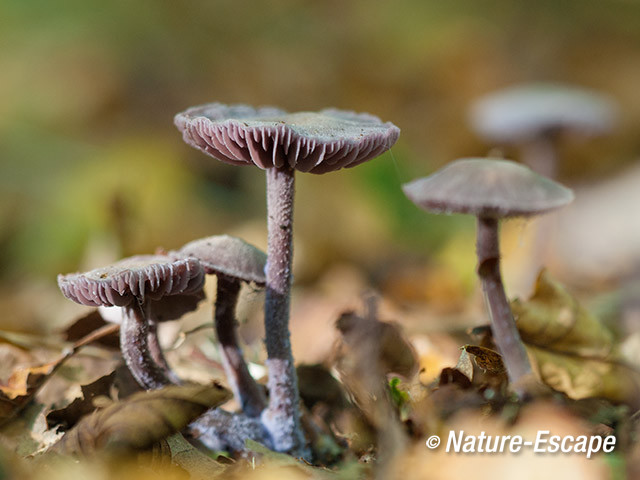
x=588, y=377
x=67, y=417
x=395, y=353
x=141, y=420
x=554, y=319
x=486, y=359
x=573, y=351
x=25, y=382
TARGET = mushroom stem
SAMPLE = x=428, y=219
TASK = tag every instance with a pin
x=541, y=155
x=282, y=417
x=134, y=335
x=503, y=325
x=243, y=385
x=155, y=350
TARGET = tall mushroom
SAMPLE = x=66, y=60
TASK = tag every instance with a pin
x=144, y=286
x=233, y=261
x=492, y=189
x=532, y=117
x=281, y=143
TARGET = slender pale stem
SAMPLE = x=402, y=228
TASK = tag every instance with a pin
x=243, y=385
x=503, y=326
x=134, y=333
x=282, y=417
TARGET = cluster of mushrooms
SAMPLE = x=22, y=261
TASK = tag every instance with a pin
x=150, y=289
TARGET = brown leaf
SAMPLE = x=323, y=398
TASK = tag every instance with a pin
x=588, y=377
x=141, y=420
x=396, y=354
x=24, y=383
x=573, y=351
x=67, y=417
x=552, y=318
x=487, y=360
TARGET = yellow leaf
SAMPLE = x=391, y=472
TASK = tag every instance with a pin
x=584, y=377
x=552, y=318
x=574, y=353
x=22, y=386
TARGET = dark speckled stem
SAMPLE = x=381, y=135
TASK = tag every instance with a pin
x=244, y=387
x=282, y=417
x=503, y=326
x=134, y=333
x=155, y=349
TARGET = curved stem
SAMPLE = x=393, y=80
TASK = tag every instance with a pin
x=243, y=385
x=282, y=417
x=134, y=333
x=155, y=349
x=503, y=325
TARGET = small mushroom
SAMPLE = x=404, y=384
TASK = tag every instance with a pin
x=234, y=262
x=166, y=309
x=145, y=287
x=492, y=189
x=532, y=117
x=281, y=143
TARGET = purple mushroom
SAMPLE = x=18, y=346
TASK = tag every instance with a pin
x=281, y=143
x=149, y=289
x=233, y=261
x=492, y=189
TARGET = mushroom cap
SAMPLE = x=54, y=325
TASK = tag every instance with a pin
x=521, y=113
x=173, y=307
x=139, y=278
x=226, y=255
x=487, y=187
x=316, y=142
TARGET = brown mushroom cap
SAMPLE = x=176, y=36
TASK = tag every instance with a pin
x=487, y=187
x=138, y=278
x=268, y=137
x=524, y=112
x=226, y=255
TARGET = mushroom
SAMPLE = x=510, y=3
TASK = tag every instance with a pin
x=233, y=261
x=145, y=287
x=492, y=189
x=532, y=117
x=281, y=143
x=166, y=309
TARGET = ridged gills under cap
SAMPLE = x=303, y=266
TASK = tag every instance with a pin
x=316, y=142
x=132, y=279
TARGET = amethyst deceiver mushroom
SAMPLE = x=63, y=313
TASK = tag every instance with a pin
x=533, y=117
x=145, y=287
x=492, y=189
x=281, y=143
x=233, y=261
x=163, y=310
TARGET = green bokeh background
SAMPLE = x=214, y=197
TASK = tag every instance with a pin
x=90, y=160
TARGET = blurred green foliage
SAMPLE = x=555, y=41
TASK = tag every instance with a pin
x=88, y=90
